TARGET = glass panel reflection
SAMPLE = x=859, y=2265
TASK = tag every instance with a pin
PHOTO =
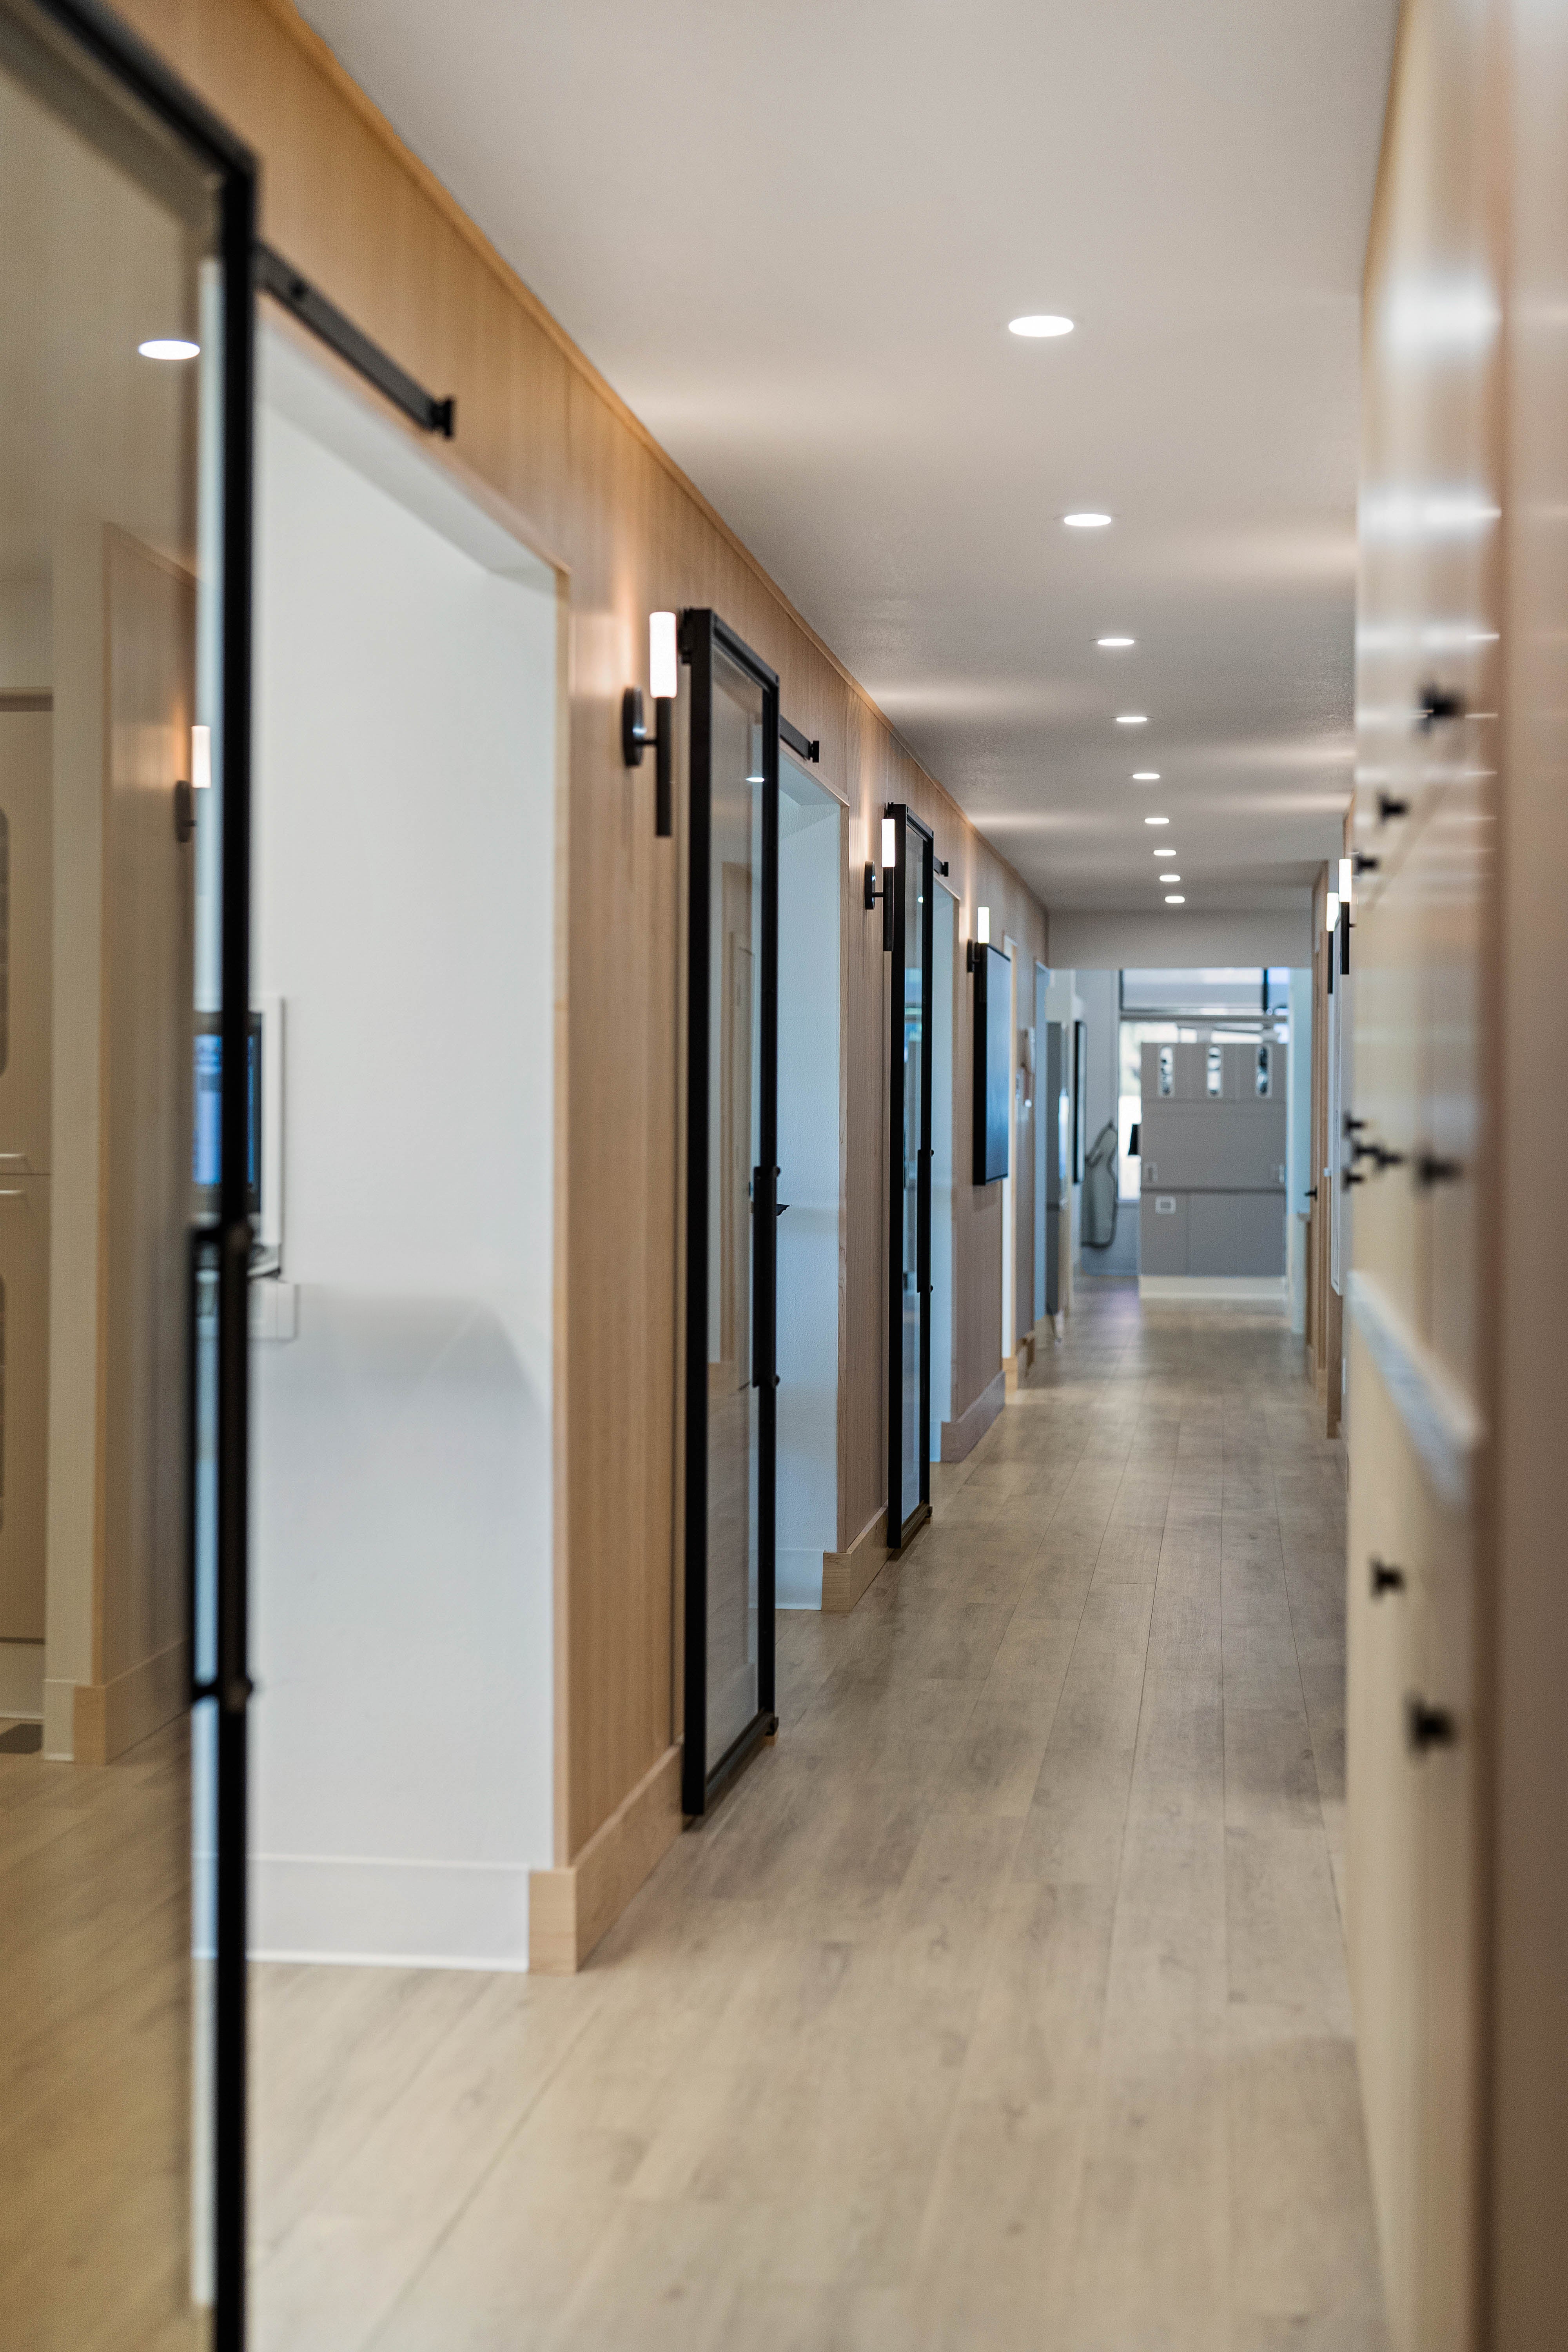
x=734, y=1133
x=97, y=696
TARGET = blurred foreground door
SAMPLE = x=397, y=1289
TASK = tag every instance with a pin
x=125, y=288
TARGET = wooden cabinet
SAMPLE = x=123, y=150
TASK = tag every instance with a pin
x=1458, y=1295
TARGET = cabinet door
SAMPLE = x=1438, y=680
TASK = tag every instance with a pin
x=1426, y=761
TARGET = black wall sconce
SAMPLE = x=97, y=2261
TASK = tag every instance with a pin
x=884, y=889
x=663, y=671
x=982, y=935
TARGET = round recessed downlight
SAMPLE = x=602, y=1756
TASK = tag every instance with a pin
x=1037, y=326
x=1145, y=775
x=1156, y=820
x=1112, y=641
x=168, y=347
x=1086, y=521
x=1132, y=719
x=1175, y=899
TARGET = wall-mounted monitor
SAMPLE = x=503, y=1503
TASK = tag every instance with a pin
x=992, y=1063
x=264, y=1122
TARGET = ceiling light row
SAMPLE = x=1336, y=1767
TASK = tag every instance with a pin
x=1043, y=326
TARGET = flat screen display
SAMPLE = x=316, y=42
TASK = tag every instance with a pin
x=206, y=1143
x=992, y=1063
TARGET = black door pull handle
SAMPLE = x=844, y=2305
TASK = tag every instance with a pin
x=1427, y=1727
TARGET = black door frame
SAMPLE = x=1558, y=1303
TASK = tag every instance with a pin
x=80, y=39
x=702, y=634
x=913, y=836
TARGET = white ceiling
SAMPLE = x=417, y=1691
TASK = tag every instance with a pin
x=792, y=234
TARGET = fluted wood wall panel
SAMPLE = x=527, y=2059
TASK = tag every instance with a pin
x=537, y=429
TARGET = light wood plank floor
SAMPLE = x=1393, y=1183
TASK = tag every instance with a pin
x=1003, y=2005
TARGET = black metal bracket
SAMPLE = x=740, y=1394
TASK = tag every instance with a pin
x=1384, y=1577
x=940, y=866
x=185, y=809
x=1435, y=705
x=1430, y=1170
x=305, y=302
x=635, y=741
x=1390, y=805
x=1364, y=862
x=803, y=746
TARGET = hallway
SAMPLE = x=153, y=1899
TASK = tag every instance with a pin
x=1004, y=2004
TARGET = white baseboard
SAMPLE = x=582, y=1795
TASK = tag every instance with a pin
x=797, y=1577
x=1215, y=1289
x=360, y=1909
x=22, y=1681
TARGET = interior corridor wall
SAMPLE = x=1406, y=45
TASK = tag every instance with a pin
x=541, y=434
x=1100, y=991
x=401, y=1566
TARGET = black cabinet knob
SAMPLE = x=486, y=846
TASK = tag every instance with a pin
x=1427, y=1727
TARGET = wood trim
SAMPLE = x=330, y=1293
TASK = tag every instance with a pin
x=108, y=1717
x=846, y=1575
x=961, y=1437
x=571, y=1908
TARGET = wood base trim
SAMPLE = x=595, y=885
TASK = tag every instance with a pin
x=961, y=1437
x=846, y=1574
x=108, y=1717
x=570, y=1910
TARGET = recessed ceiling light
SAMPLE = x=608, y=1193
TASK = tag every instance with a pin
x=1165, y=853
x=1175, y=899
x=1145, y=775
x=168, y=347
x=1038, y=324
x=1116, y=641
x=1156, y=820
x=1086, y=521
x=1132, y=719
x=1170, y=877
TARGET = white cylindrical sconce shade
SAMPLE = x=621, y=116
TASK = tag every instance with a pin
x=1333, y=922
x=663, y=658
x=201, y=759
x=1345, y=869
x=982, y=925
x=889, y=842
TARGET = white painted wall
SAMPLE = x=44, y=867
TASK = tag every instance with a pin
x=1158, y=937
x=811, y=892
x=1100, y=993
x=404, y=910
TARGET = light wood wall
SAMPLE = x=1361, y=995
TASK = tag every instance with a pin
x=1457, y=1854
x=541, y=432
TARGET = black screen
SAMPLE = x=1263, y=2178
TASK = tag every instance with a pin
x=992, y=1063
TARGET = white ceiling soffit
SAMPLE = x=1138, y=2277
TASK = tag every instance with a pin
x=793, y=237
